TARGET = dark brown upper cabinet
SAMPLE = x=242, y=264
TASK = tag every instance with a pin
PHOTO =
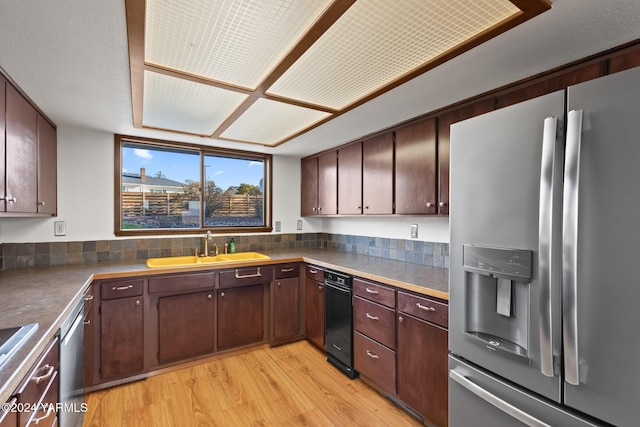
x=319, y=185
x=28, y=144
x=377, y=175
x=416, y=168
x=350, y=179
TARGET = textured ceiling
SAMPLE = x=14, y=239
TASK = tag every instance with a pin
x=71, y=57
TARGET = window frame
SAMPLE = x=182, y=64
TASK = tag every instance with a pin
x=121, y=140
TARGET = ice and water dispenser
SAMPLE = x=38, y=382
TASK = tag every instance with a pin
x=497, y=297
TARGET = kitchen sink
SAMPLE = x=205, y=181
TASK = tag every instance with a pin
x=185, y=261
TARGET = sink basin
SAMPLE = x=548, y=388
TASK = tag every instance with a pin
x=243, y=256
x=185, y=261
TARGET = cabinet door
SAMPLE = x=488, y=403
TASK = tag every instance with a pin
x=314, y=311
x=21, y=153
x=328, y=184
x=185, y=326
x=416, y=179
x=121, y=338
x=309, y=186
x=240, y=316
x=377, y=175
x=286, y=307
x=47, y=166
x=89, y=346
x=422, y=368
x=444, y=131
x=350, y=179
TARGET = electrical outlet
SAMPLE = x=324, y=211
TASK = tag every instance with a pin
x=414, y=231
x=299, y=225
x=59, y=228
x=278, y=226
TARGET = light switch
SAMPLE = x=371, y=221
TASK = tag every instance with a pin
x=414, y=231
x=278, y=226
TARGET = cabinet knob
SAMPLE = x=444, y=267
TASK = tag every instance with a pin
x=400, y=319
x=319, y=287
x=41, y=203
x=278, y=284
x=221, y=294
x=87, y=322
x=429, y=204
x=442, y=204
x=209, y=296
x=9, y=199
x=366, y=207
x=137, y=302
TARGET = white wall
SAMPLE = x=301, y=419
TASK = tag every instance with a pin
x=85, y=200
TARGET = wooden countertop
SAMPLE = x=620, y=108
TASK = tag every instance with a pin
x=46, y=296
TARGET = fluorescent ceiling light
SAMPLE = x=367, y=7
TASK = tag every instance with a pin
x=265, y=71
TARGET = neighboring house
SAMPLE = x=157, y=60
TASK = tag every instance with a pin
x=142, y=183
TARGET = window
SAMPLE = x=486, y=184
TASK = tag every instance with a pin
x=167, y=188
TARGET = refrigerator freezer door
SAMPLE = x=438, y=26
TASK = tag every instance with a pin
x=496, y=166
x=483, y=399
x=607, y=253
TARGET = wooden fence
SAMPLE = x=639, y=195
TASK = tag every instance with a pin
x=136, y=204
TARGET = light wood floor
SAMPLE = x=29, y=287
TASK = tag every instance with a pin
x=283, y=386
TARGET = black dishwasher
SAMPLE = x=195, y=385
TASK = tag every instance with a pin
x=339, y=321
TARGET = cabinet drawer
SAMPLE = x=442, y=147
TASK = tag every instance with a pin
x=315, y=273
x=121, y=289
x=182, y=282
x=287, y=270
x=375, y=321
x=245, y=276
x=375, y=361
x=374, y=292
x=45, y=415
x=424, y=308
x=39, y=380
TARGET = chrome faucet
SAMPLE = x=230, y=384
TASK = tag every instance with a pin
x=206, y=239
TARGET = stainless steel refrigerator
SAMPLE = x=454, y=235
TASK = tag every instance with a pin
x=545, y=260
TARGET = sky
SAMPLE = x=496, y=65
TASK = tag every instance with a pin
x=225, y=172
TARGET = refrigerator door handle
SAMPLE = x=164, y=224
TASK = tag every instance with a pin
x=545, y=230
x=570, y=247
x=494, y=400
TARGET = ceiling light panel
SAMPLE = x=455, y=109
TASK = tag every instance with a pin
x=185, y=106
x=378, y=41
x=268, y=122
x=236, y=42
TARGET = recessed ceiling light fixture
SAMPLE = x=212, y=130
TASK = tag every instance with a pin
x=265, y=71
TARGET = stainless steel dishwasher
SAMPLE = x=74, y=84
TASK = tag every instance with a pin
x=72, y=406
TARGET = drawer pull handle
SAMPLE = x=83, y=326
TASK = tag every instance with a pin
x=372, y=355
x=319, y=287
x=121, y=288
x=372, y=317
x=287, y=270
x=50, y=409
x=88, y=298
x=336, y=347
x=50, y=370
x=371, y=291
x=87, y=322
x=313, y=271
x=423, y=307
x=247, y=276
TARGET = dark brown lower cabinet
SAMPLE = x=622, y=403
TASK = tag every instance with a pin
x=286, y=307
x=185, y=326
x=240, y=316
x=422, y=370
x=121, y=338
x=314, y=311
